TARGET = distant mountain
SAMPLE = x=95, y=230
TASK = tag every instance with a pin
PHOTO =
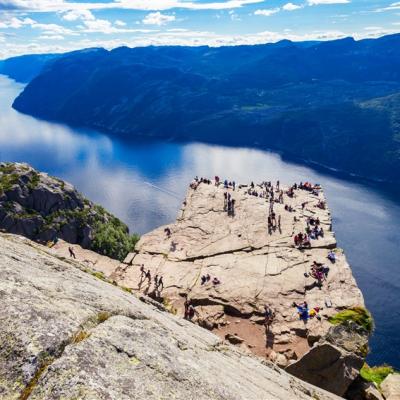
x=24, y=68
x=333, y=103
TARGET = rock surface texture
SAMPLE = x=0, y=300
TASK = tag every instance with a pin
x=255, y=267
x=391, y=387
x=67, y=335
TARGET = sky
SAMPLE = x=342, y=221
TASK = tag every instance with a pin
x=44, y=26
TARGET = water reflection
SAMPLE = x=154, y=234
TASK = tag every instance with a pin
x=120, y=177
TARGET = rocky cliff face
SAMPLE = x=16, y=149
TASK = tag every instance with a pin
x=255, y=267
x=44, y=208
x=67, y=335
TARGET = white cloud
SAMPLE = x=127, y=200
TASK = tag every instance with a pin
x=148, y=5
x=16, y=23
x=184, y=38
x=156, y=18
x=267, y=12
x=291, y=7
x=119, y=23
x=47, y=29
x=318, y=2
x=51, y=37
x=75, y=15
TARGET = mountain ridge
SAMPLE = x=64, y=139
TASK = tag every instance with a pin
x=307, y=101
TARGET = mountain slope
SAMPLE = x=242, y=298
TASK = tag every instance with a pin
x=305, y=100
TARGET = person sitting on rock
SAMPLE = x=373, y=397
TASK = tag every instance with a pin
x=71, y=252
x=167, y=232
x=216, y=281
x=203, y=279
x=332, y=257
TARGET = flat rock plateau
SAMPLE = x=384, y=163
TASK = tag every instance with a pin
x=66, y=333
x=255, y=267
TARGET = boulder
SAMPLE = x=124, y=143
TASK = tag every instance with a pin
x=234, y=339
x=328, y=366
x=362, y=390
x=390, y=387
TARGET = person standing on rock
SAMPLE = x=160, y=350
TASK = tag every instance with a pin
x=71, y=252
x=142, y=272
x=160, y=285
x=148, y=275
x=269, y=316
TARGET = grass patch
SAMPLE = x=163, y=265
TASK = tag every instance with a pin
x=7, y=181
x=34, y=180
x=80, y=336
x=169, y=307
x=126, y=289
x=376, y=374
x=359, y=315
x=103, y=316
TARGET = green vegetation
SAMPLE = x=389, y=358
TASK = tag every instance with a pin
x=34, y=180
x=8, y=177
x=359, y=315
x=112, y=239
x=110, y=236
x=376, y=374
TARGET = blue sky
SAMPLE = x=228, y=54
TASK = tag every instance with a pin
x=36, y=26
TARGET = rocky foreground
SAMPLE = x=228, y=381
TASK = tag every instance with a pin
x=66, y=334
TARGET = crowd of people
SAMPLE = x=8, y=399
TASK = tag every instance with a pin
x=274, y=194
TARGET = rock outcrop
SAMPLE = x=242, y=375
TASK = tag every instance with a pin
x=67, y=335
x=44, y=208
x=334, y=362
x=254, y=266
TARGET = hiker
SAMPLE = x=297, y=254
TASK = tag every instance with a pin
x=190, y=312
x=269, y=316
x=156, y=281
x=148, y=275
x=186, y=304
x=234, y=185
x=71, y=252
x=203, y=279
x=160, y=284
x=167, y=232
x=142, y=272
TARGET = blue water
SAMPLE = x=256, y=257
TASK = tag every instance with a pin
x=120, y=176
